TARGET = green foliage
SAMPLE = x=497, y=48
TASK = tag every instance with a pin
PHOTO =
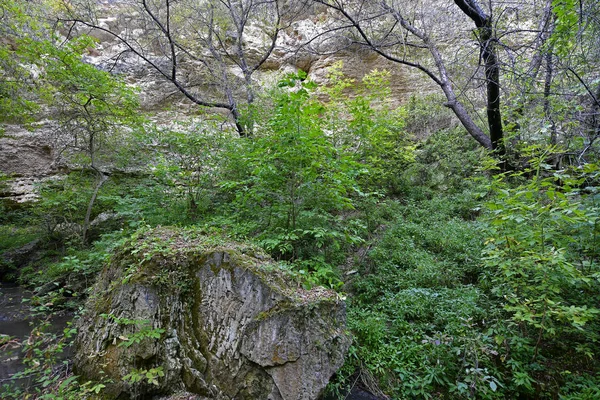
x=317, y=272
x=128, y=201
x=142, y=200
x=39, y=70
x=426, y=115
x=420, y=321
x=431, y=317
x=580, y=386
x=290, y=181
x=63, y=204
x=47, y=375
x=368, y=127
x=96, y=111
x=192, y=159
x=143, y=330
x=414, y=305
x=541, y=262
x=567, y=19
x=17, y=95
x=13, y=236
x=64, y=201
x=444, y=163
x=150, y=375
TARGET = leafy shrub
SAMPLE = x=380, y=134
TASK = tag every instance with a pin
x=542, y=267
x=445, y=162
x=419, y=320
x=367, y=126
x=291, y=182
x=191, y=160
x=47, y=375
x=427, y=116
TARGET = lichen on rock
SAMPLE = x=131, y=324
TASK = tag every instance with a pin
x=208, y=316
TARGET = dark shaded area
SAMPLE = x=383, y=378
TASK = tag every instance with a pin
x=357, y=393
x=16, y=324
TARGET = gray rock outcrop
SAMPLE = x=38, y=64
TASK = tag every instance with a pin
x=29, y=157
x=216, y=319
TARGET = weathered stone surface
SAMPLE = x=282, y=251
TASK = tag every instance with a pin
x=234, y=326
x=32, y=157
x=28, y=152
x=29, y=157
x=22, y=255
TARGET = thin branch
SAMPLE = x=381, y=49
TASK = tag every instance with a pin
x=138, y=53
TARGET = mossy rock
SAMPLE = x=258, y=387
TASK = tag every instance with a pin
x=209, y=316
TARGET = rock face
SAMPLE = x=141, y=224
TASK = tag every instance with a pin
x=218, y=320
x=29, y=157
x=18, y=257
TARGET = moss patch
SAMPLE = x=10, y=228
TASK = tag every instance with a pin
x=168, y=257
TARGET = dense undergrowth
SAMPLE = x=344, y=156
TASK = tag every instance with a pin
x=462, y=282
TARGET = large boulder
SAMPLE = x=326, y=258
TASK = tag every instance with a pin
x=204, y=315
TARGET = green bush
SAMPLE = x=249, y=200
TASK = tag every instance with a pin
x=419, y=320
x=445, y=162
x=368, y=127
x=542, y=267
x=290, y=183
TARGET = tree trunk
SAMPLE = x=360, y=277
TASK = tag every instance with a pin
x=487, y=40
x=492, y=78
x=102, y=178
x=547, y=87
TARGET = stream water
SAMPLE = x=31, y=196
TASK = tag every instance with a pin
x=14, y=322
